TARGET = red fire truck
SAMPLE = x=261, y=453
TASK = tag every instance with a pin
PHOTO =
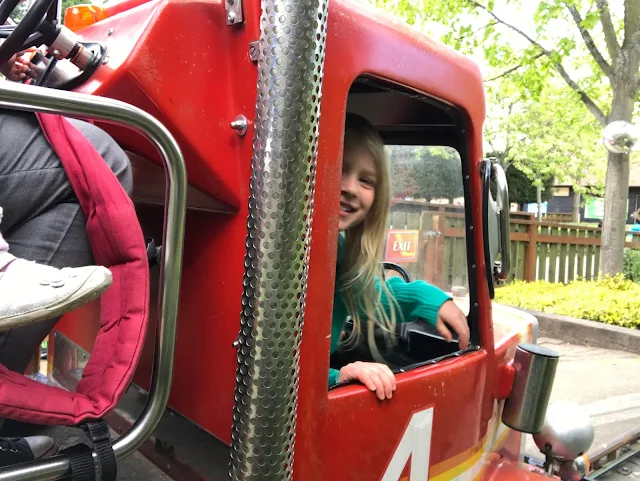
x=248, y=99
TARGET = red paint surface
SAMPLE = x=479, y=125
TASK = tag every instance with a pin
x=179, y=61
x=504, y=380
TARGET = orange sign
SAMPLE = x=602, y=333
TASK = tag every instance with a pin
x=402, y=246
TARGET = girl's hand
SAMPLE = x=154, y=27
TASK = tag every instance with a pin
x=376, y=377
x=450, y=316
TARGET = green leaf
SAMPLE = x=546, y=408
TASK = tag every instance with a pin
x=591, y=20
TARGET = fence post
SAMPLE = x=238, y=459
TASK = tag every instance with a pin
x=439, y=224
x=531, y=253
x=427, y=227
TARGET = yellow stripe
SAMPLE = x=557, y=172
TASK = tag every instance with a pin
x=468, y=463
x=460, y=468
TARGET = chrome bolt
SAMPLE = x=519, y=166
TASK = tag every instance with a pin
x=236, y=344
x=231, y=17
x=105, y=60
x=240, y=125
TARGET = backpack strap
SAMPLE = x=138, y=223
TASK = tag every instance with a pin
x=81, y=463
x=117, y=242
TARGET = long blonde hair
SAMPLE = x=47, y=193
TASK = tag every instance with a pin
x=364, y=246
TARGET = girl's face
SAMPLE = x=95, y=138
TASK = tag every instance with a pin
x=358, y=187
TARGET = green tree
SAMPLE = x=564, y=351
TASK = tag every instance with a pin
x=592, y=48
x=545, y=139
x=438, y=174
x=403, y=159
x=558, y=141
x=522, y=189
x=430, y=173
x=21, y=10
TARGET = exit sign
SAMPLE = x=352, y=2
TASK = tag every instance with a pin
x=402, y=246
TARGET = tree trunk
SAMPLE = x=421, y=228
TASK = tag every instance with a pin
x=539, y=201
x=575, y=213
x=616, y=202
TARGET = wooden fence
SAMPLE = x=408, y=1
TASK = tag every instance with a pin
x=539, y=250
x=557, y=217
x=442, y=251
x=557, y=252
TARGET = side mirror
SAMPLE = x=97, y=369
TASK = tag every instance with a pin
x=621, y=137
x=496, y=225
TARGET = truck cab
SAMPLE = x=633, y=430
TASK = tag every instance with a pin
x=242, y=85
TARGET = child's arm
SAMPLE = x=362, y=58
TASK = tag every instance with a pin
x=376, y=377
x=421, y=300
x=414, y=300
x=333, y=376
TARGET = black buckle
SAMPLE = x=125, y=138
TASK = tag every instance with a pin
x=81, y=461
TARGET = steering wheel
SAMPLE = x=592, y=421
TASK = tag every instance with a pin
x=391, y=266
x=34, y=29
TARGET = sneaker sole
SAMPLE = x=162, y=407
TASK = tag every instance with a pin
x=73, y=302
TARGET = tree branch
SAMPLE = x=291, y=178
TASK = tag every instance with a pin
x=588, y=40
x=512, y=27
x=589, y=103
x=478, y=30
x=490, y=24
x=513, y=69
x=610, y=37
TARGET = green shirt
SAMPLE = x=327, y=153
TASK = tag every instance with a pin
x=414, y=299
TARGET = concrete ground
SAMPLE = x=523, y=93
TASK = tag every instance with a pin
x=604, y=382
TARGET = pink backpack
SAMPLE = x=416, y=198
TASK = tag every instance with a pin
x=117, y=243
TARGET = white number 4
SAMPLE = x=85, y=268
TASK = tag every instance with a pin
x=415, y=444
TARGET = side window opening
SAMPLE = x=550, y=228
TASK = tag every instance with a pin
x=426, y=230
x=428, y=202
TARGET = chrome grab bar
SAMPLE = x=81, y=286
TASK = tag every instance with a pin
x=38, y=99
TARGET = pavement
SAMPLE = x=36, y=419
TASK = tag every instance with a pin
x=605, y=382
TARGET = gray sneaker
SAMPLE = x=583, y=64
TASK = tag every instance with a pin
x=21, y=450
x=31, y=292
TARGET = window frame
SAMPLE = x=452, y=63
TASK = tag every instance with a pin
x=454, y=135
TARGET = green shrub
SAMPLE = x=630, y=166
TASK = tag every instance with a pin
x=613, y=300
x=631, y=264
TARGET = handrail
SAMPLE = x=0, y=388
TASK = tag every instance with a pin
x=38, y=99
